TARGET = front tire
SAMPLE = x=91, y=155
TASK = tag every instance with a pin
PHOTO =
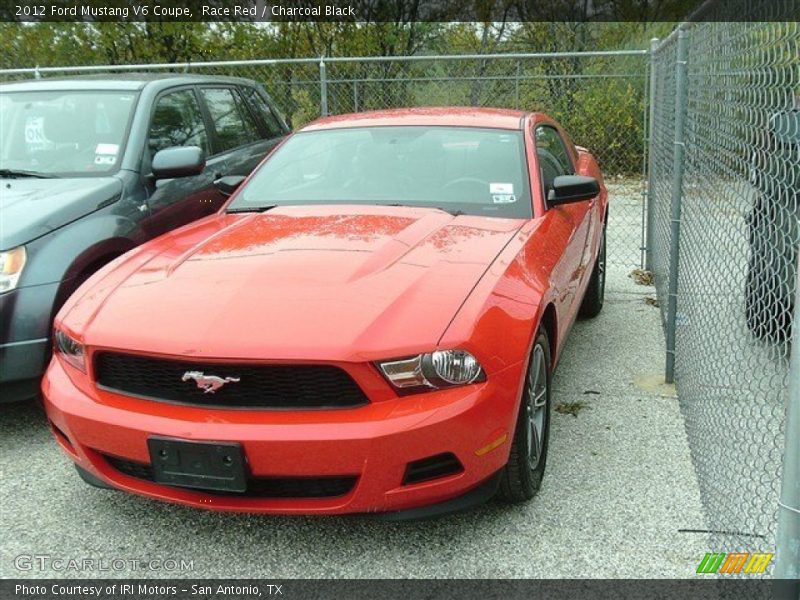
x=593, y=299
x=521, y=478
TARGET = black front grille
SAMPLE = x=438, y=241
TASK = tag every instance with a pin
x=257, y=487
x=247, y=386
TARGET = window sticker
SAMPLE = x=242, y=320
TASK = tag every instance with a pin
x=107, y=149
x=34, y=131
x=502, y=193
x=501, y=188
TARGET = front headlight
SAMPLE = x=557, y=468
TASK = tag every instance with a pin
x=70, y=350
x=434, y=370
x=11, y=264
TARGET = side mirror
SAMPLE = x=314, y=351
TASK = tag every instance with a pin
x=572, y=188
x=229, y=184
x=180, y=161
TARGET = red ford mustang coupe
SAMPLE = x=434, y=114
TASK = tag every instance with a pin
x=369, y=325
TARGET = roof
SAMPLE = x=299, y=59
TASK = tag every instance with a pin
x=453, y=116
x=115, y=81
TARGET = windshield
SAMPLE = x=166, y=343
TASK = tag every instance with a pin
x=64, y=133
x=458, y=169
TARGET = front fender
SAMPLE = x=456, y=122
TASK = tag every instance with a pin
x=67, y=252
x=499, y=319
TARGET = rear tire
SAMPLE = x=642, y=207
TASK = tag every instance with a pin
x=768, y=312
x=770, y=283
x=593, y=299
x=521, y=478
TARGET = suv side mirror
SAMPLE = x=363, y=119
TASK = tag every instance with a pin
x=229, y=184
x=572, y=188
x=180, y=161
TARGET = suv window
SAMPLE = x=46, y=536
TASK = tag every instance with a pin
x=271, y=122
x=177, y=121
x=553, y=157
x=232, y=120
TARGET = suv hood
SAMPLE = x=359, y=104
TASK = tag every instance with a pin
x=308, y=283
x=31, y=207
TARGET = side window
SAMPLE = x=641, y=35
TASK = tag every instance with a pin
x=271, y=122
x=232, y=121
x=177, y=121
x=553, y=157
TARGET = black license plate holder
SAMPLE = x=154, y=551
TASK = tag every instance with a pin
x=200, y=465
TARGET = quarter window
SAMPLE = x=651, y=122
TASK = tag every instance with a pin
x=177, y=121
x=232, y=121
x=553, y=157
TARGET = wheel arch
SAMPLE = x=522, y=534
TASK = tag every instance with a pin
x=549, y=321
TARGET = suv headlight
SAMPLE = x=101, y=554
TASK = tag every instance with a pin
x=70, y=350
x=434, y=370
x=11, y=264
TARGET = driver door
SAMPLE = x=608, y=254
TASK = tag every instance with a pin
x=555, y=160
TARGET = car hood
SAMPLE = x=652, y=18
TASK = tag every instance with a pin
x=326, y=283
x=31, y=207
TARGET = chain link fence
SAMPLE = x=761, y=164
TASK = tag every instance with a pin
x=599, y=97
x=723, y=187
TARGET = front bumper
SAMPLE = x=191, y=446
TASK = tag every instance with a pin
x=375, y=443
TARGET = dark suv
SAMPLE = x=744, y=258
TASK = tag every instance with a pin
x=774, y=228
x=92, y=167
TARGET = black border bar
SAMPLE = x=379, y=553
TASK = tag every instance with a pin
x=397, y=11
x=398, y=589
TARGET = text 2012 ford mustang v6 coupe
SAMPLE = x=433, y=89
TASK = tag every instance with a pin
x=369, y=325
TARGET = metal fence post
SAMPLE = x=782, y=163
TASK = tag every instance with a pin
x=323, y=88
x=787, y=539
x=516, y=87
x=678, y=156
x=650, y=192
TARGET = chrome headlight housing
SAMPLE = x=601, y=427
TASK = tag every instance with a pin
x=70, y=350
x=433, y=370
x=11, y=264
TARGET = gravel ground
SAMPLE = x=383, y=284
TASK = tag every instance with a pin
x=619, y=488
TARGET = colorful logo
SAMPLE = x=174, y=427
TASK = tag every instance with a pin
x=735, y=562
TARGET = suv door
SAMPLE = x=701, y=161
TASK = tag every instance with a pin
x=177, y=119
x=238, y=134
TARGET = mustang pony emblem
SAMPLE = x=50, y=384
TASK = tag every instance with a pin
x=208, y=383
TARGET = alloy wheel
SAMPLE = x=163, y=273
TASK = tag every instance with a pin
x=536, y=408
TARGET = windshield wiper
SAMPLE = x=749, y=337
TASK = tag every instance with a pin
x=452, y=211
x=21, y=173
x=248, y=209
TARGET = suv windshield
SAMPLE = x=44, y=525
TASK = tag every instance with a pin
x=64, y=132
x=458, y=169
